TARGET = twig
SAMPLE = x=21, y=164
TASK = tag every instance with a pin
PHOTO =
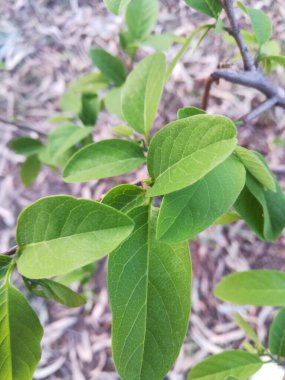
x=208, y=85
x=21, y=126
x=263, y=107
x=10, y=252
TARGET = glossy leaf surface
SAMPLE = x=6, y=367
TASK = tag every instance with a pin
x=125, y=197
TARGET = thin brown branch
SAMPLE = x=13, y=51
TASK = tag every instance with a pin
x=208, y=85
x=10, y=252
x=21, y=126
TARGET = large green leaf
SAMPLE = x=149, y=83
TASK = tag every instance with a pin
x=54, y=290
x=125, y=197
x=263, y=210
x=210, y=8
x=254, y=287
x=142, y=92
x=256, y=167
x=60, y=233
x=104, y=159
x=187, y=149
x=111, y=67
x=241, y=365
x=30, y=170
x=61, y=139
x=141, y=17
x=116, y=6
x=277, y=335
x=261, y=25
x=187, y=212
x=149, y=288
x=21, y=334
x=25, y=145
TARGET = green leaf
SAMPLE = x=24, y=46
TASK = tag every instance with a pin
x=161, y=42
x=246, y=327
x=30, y=170
x=263, y=210
x=280, y=59
x=184, y=112
x=261, y=25
x=111, y=67
x=61, y=139
x=112, y=102
x=228, y=217
x=254, y=287
x=21, y=334
x=58, y=234
x=5, y=262
x=125, y=197
x=81, y=275
x=211, y=8
x=70, y=102
x=277, y=335
x=57, y=292
x=91, y=83
x=187, y=149
x=25, y=145
x=239, y=364
x=122, y=131
x=116, y=6
x=104, y=159
x=141, y=16
x=256, y=167
x=89, y=109
x=149, y=288
x=142, y=92
x=187, y=212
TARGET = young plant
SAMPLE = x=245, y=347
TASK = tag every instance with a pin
x=198, y=177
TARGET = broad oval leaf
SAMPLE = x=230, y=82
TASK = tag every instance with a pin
x=187, y=149
x=25, y=145
x=187, y=212
x=211, y=8
x=104, y=159
x=54, y=290
x=238, y=364
x=261, y=25
x=141, y=17
x=30, y=170
x=262, y=209
x=142, y=92
x=111, y=67
x=254, y=287
x=277, y=335
x=125, y=197
x=149, y=287
x=21, y=334
x=60, y=233
x=256, y=167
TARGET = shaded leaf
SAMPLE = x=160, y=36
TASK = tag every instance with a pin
x=25, y=145
x=125, y=197
x=104, y=159
x=228, y=217
x=261, y=25
x=89, y=109
x=5, y=262
x=254, y=287
x=187, y=149
x=210, y=8
x=184, y=112
x=81, y=275
x=30, y=170
x=149, y=287
x=62, y=233
x=277, y=335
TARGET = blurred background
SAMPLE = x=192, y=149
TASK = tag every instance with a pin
x=44, y=45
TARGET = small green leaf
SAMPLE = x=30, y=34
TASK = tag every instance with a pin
x=104, y=159
x=112, y=102
x=142, y=92
x=280, y=59
x=122, y=130
x=161, y=42
x=277, y=335
x=57, y=292
x=111, y=67
x=187, y=149
x=261, y=25
x=228, y=217
x=254, y=287
x=61, y=139
x=70, y=102
x=91, y=83
x=5, y=262
x=25, y=145
x=81, y=275
x=211, y=8
x=239, y=364
x=116, y=6
x=187, y=212
x=262, y=209
x=125, y=197
x=89, y=109
x=184, y=112
x=246, y=327
x=21, y=334
x=149, y=288
x=141, y=16
x=30, y=170
x=58, y=234
x=256, y=167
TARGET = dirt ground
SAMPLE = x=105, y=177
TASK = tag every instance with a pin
x=45, y=45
